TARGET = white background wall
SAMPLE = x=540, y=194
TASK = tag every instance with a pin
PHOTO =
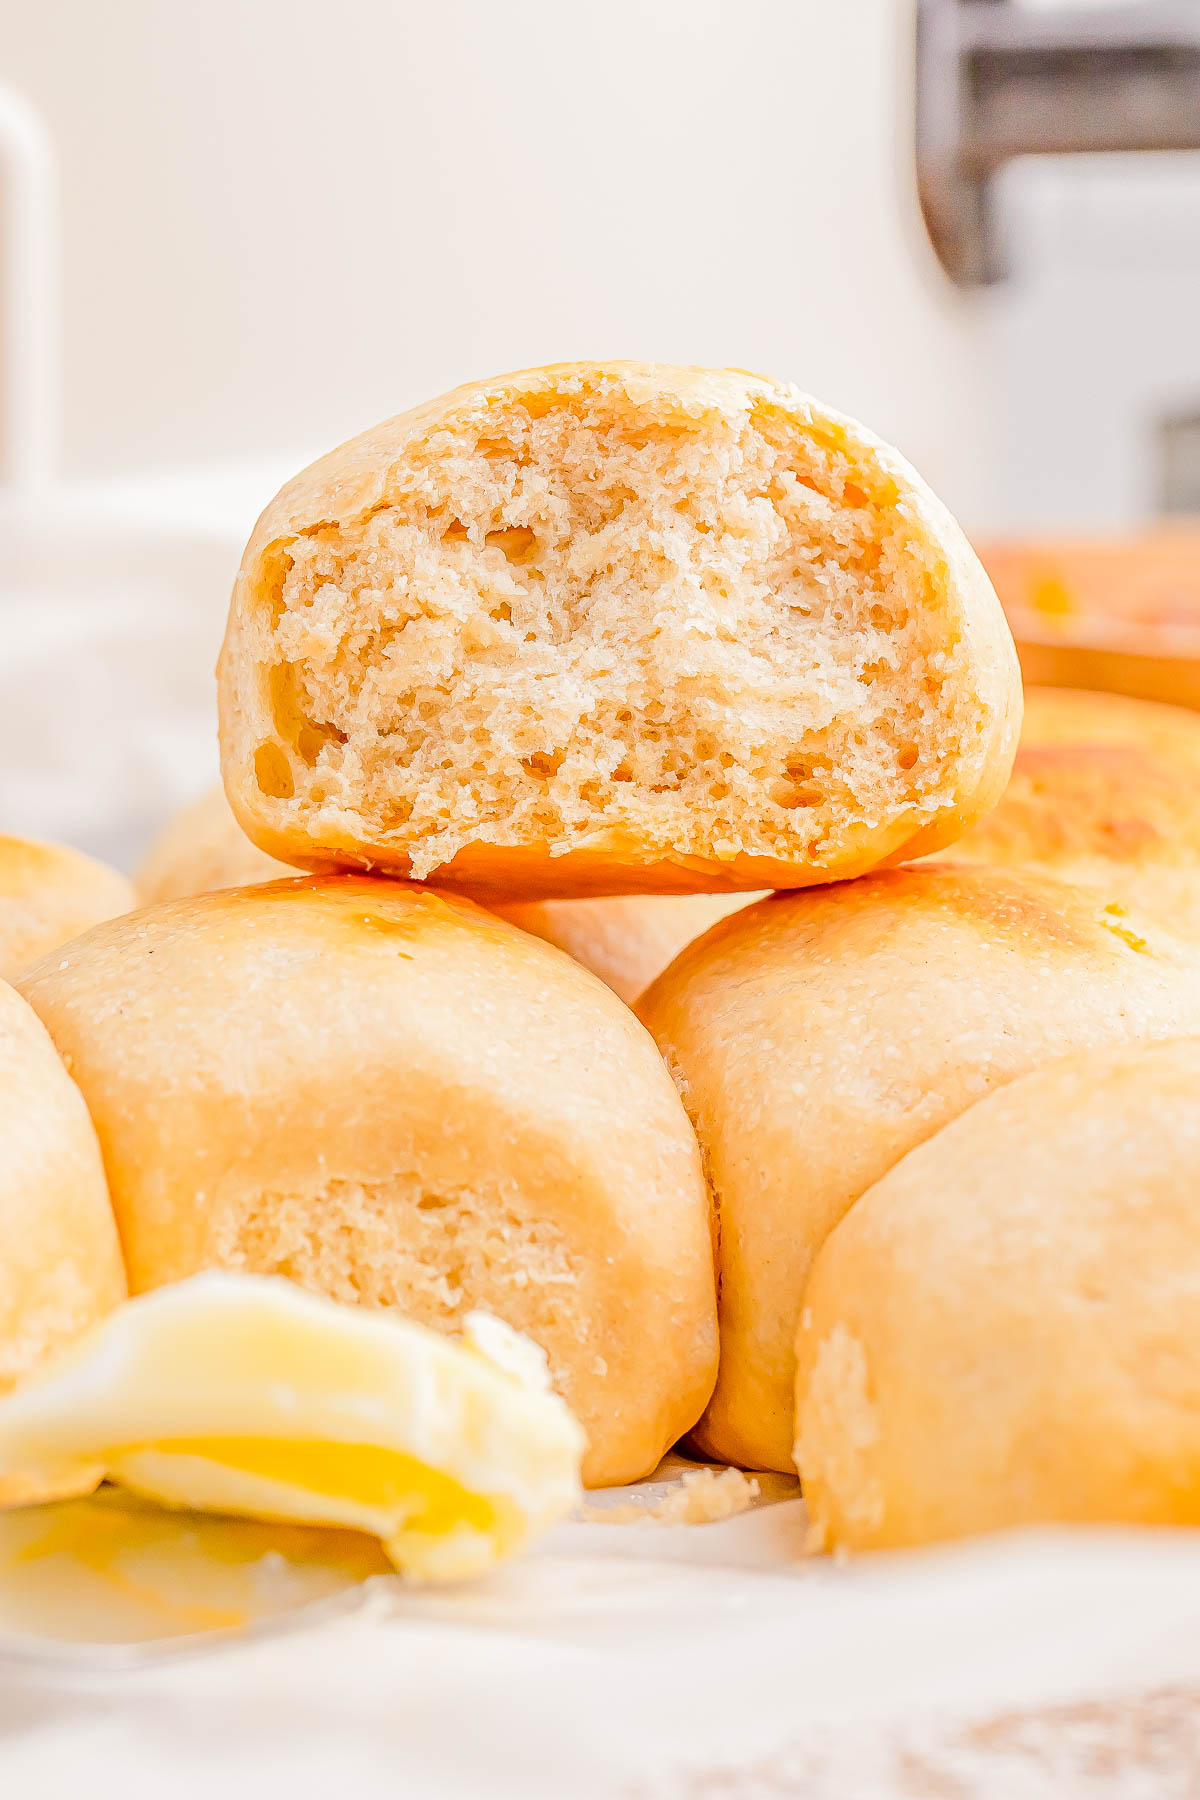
x=284, y=219
x=1094, y=336
x=1093, y=339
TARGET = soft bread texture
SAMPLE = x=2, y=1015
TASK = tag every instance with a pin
x=395, y=1098
x=626, y=940
x=1105, y=791
x=816, y=1038
x=607, y=628
x=201, y=849
x=61, y=1266
x=1003, y=1331
x=49, y=893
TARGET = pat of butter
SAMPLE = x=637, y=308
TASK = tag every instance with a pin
x=242, y=1394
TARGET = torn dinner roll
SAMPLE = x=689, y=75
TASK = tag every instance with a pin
x=603, y=628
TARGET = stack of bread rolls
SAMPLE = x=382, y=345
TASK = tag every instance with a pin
x=542, y=686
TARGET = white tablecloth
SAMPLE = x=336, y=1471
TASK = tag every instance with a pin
x=666, y=1662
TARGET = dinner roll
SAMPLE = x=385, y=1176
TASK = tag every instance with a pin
x=628, y=939
x=60, y=1261
x=48, y=894
x=1105, y=791
x=817, y=1037
x=1003, y=1331
x=200, y=849
x=395, y=1098
x=613, y=627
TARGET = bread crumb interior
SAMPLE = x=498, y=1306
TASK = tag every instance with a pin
x=579, y=618
x=434, y=1254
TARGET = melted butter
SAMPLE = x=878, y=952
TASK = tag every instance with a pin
x=221, y=1401
x=390, y=1481
x=113, y=1568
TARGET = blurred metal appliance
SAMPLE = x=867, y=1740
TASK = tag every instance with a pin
x=996, y=80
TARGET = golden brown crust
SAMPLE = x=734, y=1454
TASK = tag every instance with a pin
x=494, y=876
x=1105, y=791
x=1002, y=1331
x=626, y=940
x=361, y=477
x=396, y=1098
x=49, y=893
x=816, y=1038
x=61, y=1269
